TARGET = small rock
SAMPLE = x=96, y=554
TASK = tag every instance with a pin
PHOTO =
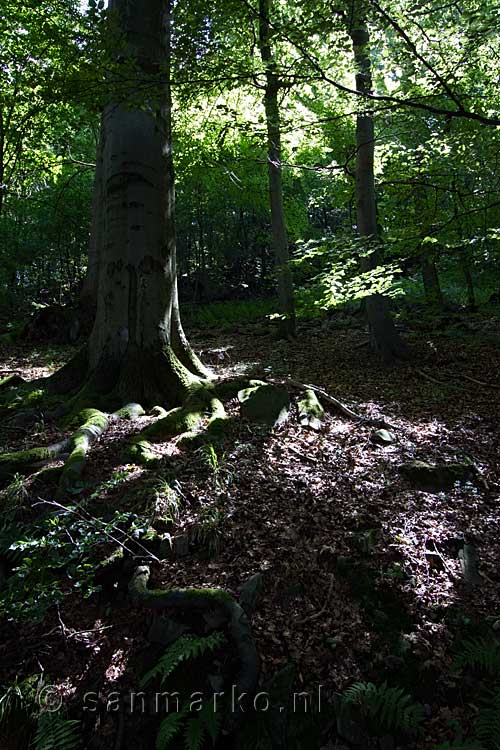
x=249, y=593
x=269, y=404
x=437, y=477
x=180, y=546
x=383, y=437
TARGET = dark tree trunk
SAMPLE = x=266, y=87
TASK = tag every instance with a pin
x=88, y=295
x=137, y=349
x=430, y=277
x=278, y=226
x=384, y=336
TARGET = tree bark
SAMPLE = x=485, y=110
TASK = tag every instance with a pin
x=383, y=334
x=430, y=277
x=137, y=350
x=278, y=226
x=88, y=295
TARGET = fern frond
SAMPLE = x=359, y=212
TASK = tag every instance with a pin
x=488, y=722
x=10, y=700
x=389, y=708
x=211, y=720
x=194, y=734
x=169, y=728
x=460, y=745
x=482, y=654
x=53, y=732
x=186, y=647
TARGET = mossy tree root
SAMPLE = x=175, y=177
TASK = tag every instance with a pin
x=11, y=381
x=93, y=424
x=25, y=462
x=184, y=421
x=201, y=601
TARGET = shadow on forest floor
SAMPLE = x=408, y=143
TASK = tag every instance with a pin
x=361, y=579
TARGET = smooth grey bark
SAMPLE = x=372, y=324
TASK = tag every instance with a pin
x=279, y=239
x=88, y=295
x=383, y=334
x=137, y=343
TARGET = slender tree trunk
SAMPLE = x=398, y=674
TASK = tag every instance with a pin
x=278, y=225
x=384, y=336
x=430, y=277
x=2, y=161
x=469, y=282
x=137, y=350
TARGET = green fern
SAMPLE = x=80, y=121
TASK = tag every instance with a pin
x=11, y=700
x=186, y=647
x=54, y=732
x=169, y=728
x=460, y=745
x=194, y=734
x=482, y=654
x=205, y=722
x=211, y=720
x=488, y=721
x=387, y=708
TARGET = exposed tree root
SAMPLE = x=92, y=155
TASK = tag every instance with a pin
x=11, y=381
x=339, y=406
x=92, y=425
x=25, y=462
x=201, y=601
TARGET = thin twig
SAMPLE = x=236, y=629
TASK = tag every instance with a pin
x=317, y=615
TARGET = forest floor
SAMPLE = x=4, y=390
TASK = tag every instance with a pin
x=361, y=575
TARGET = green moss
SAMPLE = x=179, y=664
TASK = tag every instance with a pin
x=311, y=413
x=177, y=421
x=228, y=389
x=130, y=411
x=95, y=424
x=158, y=411
x=192, y=440
x=20, y=462
x=11, y=381
x=90, y=418
x=141, y=452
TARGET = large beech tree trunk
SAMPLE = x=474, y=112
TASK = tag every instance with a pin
x=278, y=226
x=88, y=295
x=384, y=336
x=137, y=349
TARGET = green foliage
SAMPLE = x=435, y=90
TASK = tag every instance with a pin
x=460, y=745
x=385, y=708
x=223, y=313
x=53, y=557
x=199, y=722
x=480, y=654
x=205, y=723
x=186, y=647
x=15, y=494
x=169, y=728
x=488, y=721
x=17, y=699
x=54, y=732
